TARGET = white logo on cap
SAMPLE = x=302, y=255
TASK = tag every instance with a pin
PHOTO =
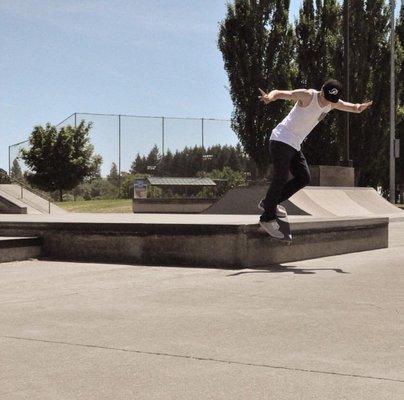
x=333, y=91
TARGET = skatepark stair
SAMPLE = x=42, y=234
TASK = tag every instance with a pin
x=16, y=199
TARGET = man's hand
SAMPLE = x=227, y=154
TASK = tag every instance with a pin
x=364, y=106
x=267, y=97
x=351, y=107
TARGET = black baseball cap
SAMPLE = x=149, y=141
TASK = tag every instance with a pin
x=332, y=90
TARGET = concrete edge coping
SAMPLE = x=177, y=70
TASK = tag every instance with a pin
x=7, y=242
x=150, y=228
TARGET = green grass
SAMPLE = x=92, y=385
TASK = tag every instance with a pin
x=98, y=206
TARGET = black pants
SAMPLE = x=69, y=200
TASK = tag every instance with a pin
x=284, y=158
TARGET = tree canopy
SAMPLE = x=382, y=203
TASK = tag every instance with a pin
x=60, y=159
x=261, y=49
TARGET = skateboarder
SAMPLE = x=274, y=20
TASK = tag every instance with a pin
x=285, y=142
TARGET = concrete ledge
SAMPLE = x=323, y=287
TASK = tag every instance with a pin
x=197, y=240
x=19, y=248
x=314, y=239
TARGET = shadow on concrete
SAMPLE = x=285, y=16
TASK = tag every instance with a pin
x=277, y=268
x=273, y=268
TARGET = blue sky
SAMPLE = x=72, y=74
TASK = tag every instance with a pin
x=142, y=57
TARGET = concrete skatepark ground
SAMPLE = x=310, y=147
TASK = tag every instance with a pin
x=329, y=328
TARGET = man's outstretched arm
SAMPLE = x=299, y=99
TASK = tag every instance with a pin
x=303, y=96
x=350, y=107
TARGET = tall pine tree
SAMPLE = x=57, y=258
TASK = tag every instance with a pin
x=256, y=41
x=319, y=57
x=400, y=95
x=370, y=80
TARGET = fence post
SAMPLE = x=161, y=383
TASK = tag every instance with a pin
x=119, y=155
x=9, y=161
x=203, y=133
x=162, y=135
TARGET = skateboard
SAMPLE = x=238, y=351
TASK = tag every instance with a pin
x=284, y=227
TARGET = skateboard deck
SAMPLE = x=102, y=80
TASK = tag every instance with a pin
x=284, y=227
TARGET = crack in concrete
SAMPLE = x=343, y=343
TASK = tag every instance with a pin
x=37, y=299
x=207, y=359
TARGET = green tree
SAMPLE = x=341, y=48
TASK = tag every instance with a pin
x=370, y=79
x=319, y=57
x=60, y=159
x=97, y=162
x=139, y=165
x=256, y=41
x=228, y=179
x=164, y=167
x=190, y=161
x=16, y=172
x=4, y=178
x=400, y=94
x=153, y=158
x=113, y=176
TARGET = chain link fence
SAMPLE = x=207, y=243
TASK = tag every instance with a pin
x=119, y=138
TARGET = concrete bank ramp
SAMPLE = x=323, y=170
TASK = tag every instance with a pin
x=318, y=201
x=17, y=200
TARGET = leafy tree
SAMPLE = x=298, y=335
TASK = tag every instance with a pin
x=229, y=179
x=16, y=172
x=4, y=178
x=60, y=159
x=102, y=189
x=97, y=162
x=256, y=41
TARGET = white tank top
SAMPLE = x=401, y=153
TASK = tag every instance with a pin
x=300, y=122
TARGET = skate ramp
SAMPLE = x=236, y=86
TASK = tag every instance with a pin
x=244, y=200
x=318, y=201
x=348, y=201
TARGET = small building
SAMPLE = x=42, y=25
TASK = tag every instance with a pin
x=185, y=199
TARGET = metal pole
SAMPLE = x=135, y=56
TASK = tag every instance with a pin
x=119, y=155
x=392, y=108
x=162, y=135
x=75, y=120
x=9, y=161
x=203, y=133
x=347, y=81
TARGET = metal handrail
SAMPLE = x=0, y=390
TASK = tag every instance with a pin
x=30, y=189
